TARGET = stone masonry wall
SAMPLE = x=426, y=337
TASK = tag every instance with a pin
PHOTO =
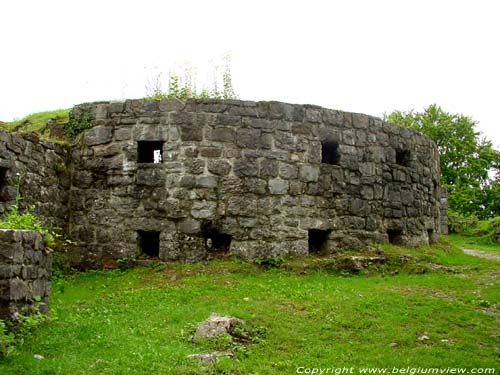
x=45, y=178
x=24, y=272
x=256, y=178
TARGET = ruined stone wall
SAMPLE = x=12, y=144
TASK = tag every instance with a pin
x=258, y=178
x=24, y=272
x=43, y=172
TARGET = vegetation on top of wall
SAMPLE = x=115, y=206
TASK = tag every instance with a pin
x=183, y=85
x=13, y=218
x=45, y=123
x=79, y=119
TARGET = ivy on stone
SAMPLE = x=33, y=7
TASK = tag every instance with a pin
x=79, y=119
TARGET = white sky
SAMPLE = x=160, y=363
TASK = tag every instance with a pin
x=361, y=56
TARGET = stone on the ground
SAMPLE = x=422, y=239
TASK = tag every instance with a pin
x=214, y=326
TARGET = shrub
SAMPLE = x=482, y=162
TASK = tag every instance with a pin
x=14, y=219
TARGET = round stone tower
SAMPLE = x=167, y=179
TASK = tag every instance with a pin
x=186, y=180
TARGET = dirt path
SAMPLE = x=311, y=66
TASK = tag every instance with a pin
x=482, y=254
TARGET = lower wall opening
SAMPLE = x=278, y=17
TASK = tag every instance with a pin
x=215, y=240
x=317, y=240
x=395, y=236
x=149, y=243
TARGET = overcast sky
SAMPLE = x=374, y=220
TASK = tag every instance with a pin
x=361, y=56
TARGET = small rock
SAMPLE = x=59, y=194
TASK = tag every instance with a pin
x=210, y=357
x=393, y=344
x=423, y=337
x=215, y=325
x=38, y=356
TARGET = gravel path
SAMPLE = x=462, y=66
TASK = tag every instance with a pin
x=482, y=254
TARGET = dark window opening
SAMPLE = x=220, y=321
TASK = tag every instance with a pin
x=318, y=240
x=330, y=153
x=215, y=240
x=149, y=243
x=146, y=151
x=395, y=236
x=3, y=178
x=403, y=157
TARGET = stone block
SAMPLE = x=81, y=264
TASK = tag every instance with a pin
x=189, y=226
x=268, y=168
x=151, y=177
x=203, y=209
x=191, y=133
x=223, y=134
x=278, y=186
x=288, y=171
x=206, y=181
x=309, y=173
x=219, y=167
x=245, y=168
x=248, y=138
x=98, y=135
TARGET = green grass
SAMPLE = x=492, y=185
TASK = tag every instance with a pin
x=470, y=242
x=137, y=321
x=37, y=122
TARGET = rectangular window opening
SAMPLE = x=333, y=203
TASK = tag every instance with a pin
x=149, y=243
x=150, y=151
x=403, y=157
x=318, y=240
x=330, y=153
x=395, y=236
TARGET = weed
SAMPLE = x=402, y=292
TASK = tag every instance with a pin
x=14, y=333
x=79, y=120
x=14, y=219
x=184, y=85
x=270, y=262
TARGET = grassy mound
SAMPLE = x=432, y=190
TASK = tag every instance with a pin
x=48, y=124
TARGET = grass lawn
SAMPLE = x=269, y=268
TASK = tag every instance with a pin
x=470, y=242
x=138, y=321
x=37, y=122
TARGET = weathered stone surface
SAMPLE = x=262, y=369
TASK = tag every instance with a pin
x=219, y=167
x=25, y=270
x=98, y=135
x=278, y=186
x=251, y=172
x=214, y=326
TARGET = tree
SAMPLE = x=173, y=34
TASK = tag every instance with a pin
x=469, y=163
